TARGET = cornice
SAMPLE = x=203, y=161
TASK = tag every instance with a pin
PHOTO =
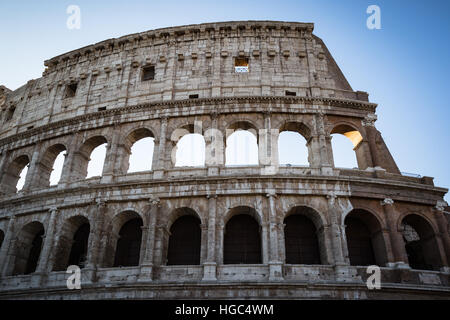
x=386, y=185
x=171, y=35
x=328, y=102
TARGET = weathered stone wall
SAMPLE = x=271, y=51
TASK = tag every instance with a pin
x=199, y=60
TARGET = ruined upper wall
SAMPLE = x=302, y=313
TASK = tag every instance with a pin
x=188, y=60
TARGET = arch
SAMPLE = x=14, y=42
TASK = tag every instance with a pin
x=72, y=243
x=242, y=239
x=50, y=171
x=185, y=241
x=241, y=144
x=188, y=146
x=140, y=147
x=365, y=239
x=298, y=127
x=190, y=150
x=82, y=158
x=242, y=209
x=342, y=155
x=304, y=236
x=28, y=248
x=129, y=237
x=14, y=177
x=420, y=243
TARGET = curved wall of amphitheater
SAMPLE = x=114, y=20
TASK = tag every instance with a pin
x=261, y=231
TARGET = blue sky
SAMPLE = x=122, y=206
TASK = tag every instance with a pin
x=404, y=66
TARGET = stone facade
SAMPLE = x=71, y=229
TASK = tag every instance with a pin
x=96, y=95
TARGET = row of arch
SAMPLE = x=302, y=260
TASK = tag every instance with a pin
x=241, y=149
x=304, y=240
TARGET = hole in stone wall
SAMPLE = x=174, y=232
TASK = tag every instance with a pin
x=290, y=93
x=193, y=96
x=148, y=73
x=71, y=90
x=241, y=65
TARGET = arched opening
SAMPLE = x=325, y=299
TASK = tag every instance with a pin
x=292, y=144
x=190, y=151
x=14, y=177
x=96, y=162
x=78, y=253
x=184, y=241
x=129, y=243
x=89, y=160
x=420, y=243
x=365, y=240
x=345, y=143
x=242, y=240
x=301, y=243
x=73, y=243
x=141, y=143
x=28, y=248
x=51, y=165
x=2, y=237
x=241, y=145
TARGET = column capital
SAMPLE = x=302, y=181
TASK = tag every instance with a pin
x=154, y=201
x=369, y=120
x=211, y=196
x=332, y=196
x=440, y=205
x=53, y=209
x=101, y=203
x=271, y=193
x=387, y=202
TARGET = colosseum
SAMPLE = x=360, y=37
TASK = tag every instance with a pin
x=216, y=231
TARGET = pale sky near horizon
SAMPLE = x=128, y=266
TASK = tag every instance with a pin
x=404, y=66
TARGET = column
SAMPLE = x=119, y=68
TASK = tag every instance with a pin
x=444, y=234
x=369, y=124
x=5, y=254
x=335, y=229
x=44, y=263
x=219, y=242
x=275, y=264
x=214, y=149
x=160, y=167
x=148, y=240
x=69, y=160
x=111, y=156
x=323, y=144
x=32, y=175
x=397, y=243
x=97, y=239
x=210, y=265
x=268, y=147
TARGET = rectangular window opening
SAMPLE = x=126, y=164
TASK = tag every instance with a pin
x=193, y=96
x=241, y=65
x=148, y=73
x=291, y=93
x=102, y=109
x=71, y=89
